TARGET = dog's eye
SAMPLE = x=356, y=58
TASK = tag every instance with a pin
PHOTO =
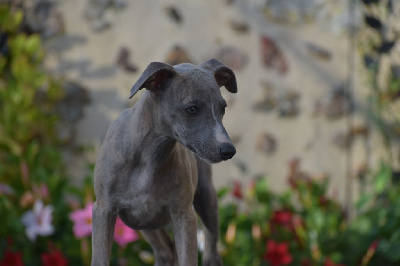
x=191, y=110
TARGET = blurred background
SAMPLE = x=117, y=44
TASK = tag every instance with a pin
x=315, y=123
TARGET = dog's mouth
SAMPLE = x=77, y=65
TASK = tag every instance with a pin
x=190, y=147
x=208, y=160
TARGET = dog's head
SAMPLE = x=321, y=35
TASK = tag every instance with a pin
x=190, y=104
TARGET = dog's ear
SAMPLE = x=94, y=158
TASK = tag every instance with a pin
x=223, y=74
x=153, y=77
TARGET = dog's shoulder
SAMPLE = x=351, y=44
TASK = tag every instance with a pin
x=119, y=125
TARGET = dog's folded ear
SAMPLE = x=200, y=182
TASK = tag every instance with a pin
x=153, y=77
x=223, y=74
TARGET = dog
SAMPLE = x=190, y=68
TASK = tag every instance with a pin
x=154, y=165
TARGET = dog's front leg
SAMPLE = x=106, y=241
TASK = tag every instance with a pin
x=185, y=232
x=103, y=222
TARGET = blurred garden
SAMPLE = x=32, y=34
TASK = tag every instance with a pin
x=45, y=212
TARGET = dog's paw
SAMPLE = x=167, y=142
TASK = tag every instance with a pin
x=212, y=261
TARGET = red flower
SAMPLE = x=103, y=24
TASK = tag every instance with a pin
x=54, y=258
x=11, y=258
x=277, y=253
x=282, y=218
x=329, y=262
x=237, y=190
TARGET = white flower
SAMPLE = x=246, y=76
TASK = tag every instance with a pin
x=38, y=221
x=200, y=240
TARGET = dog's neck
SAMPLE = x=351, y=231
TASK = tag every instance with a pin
x=146, y=118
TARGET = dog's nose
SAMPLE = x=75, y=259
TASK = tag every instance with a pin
x=227, y=151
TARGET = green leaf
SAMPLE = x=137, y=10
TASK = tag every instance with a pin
x=262, y=192
x=32, y=44
x=364, y=199
x=17, y=44
x=10, y=20
x=222, y=192
x=362, y=224
x=12, y=145
x=315, y=219
x=382, y=178
x=3, y=62
x=391, y=250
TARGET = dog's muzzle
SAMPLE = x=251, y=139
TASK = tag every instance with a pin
x=227, y=151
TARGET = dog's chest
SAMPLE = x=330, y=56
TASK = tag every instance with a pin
x=144, y=206
x=145, y=197
x=145, y=214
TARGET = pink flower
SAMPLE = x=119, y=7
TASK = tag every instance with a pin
x=124, y=234
x=38, y=221
x=82, y=219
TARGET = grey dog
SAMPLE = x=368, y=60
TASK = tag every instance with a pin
x=154, y=164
